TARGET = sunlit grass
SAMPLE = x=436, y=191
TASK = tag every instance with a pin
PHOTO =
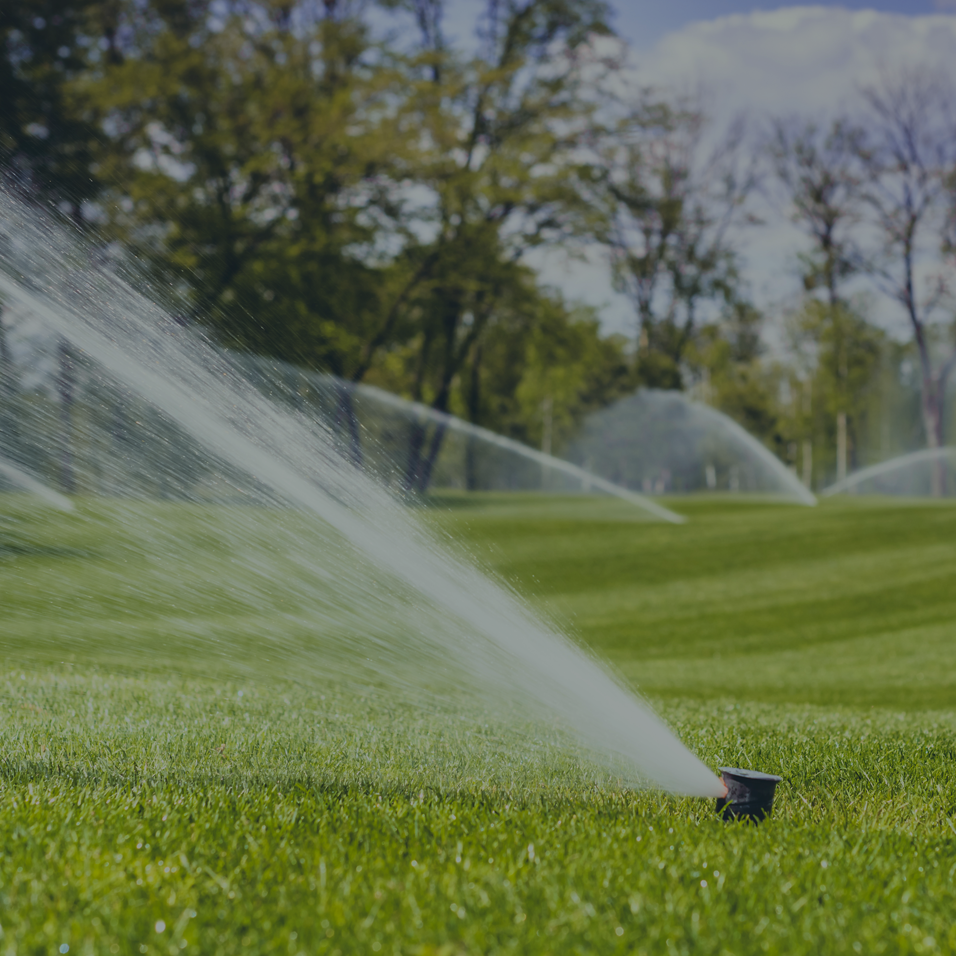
x=156, y=810
x=851, y=602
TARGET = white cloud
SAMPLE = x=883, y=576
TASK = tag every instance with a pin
x=808, y=60
x=805, y=59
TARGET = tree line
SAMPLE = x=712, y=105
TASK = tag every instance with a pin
x=354, y=188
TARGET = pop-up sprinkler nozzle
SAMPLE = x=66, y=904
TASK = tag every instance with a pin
x=749, y=794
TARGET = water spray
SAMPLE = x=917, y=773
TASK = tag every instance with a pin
x=368, y=569
x=24, y=480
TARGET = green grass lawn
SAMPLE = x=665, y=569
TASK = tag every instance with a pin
x=849, y=603
x=153, y=801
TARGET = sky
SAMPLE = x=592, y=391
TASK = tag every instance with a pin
x=645, y=22
x=766, y=60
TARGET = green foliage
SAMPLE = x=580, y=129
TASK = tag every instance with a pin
x=503, y=132
x=537, y=361
x=568, y=370
x=352, y=205
x=46, y=135
x=366, y=206
x=242, y=144
x=839, y=358
x=731, y=374
x=836, y=363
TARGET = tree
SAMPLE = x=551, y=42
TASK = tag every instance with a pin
x=838, y=356
x=541, y=368
x=325, y=199
x=545, y=371
x=821, y=173
x=726, y=361
x=504, y=132
x=257, y=150
x=673, y=205
x=253, y=145
x=46, y=137
x=908, y=153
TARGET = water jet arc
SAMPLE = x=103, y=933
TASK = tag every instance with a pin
x=26, y=481
x=663, y=439
x=927, y=456
x=375, y=404
x=539, y=457
x=488, y=625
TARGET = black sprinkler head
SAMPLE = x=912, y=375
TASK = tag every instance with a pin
x=749, y=794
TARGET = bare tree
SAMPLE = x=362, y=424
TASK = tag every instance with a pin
x=821, y=171
x=675, y=198
x=908, y=156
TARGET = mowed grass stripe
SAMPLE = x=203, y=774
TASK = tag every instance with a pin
x=911, y=668
x=571, y=556
x=853, y=601
x=751, y=609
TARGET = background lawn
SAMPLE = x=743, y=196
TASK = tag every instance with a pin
x=153, y=801
x=851, y=602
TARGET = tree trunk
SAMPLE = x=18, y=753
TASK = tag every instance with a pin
x=941, y=382
x=547, y=411
x=841, y=446
x=346, y=420
x=842, y=370
x=474, y=410
x=933, y=422
x=418, y=474
x=65, y=384
x=428, y=462
x=413, y=464
x=808, y=463
x=931, y=407
x=421, y=460
x=452, y=361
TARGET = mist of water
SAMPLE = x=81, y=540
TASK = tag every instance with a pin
x=18, y=477
x=663, y=442
x=371, y=591
x=499, y=462
x=909, y=475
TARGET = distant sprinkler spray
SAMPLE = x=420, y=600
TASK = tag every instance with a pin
x=749, y=794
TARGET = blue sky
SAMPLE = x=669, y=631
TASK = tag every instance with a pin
x=644, y=22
